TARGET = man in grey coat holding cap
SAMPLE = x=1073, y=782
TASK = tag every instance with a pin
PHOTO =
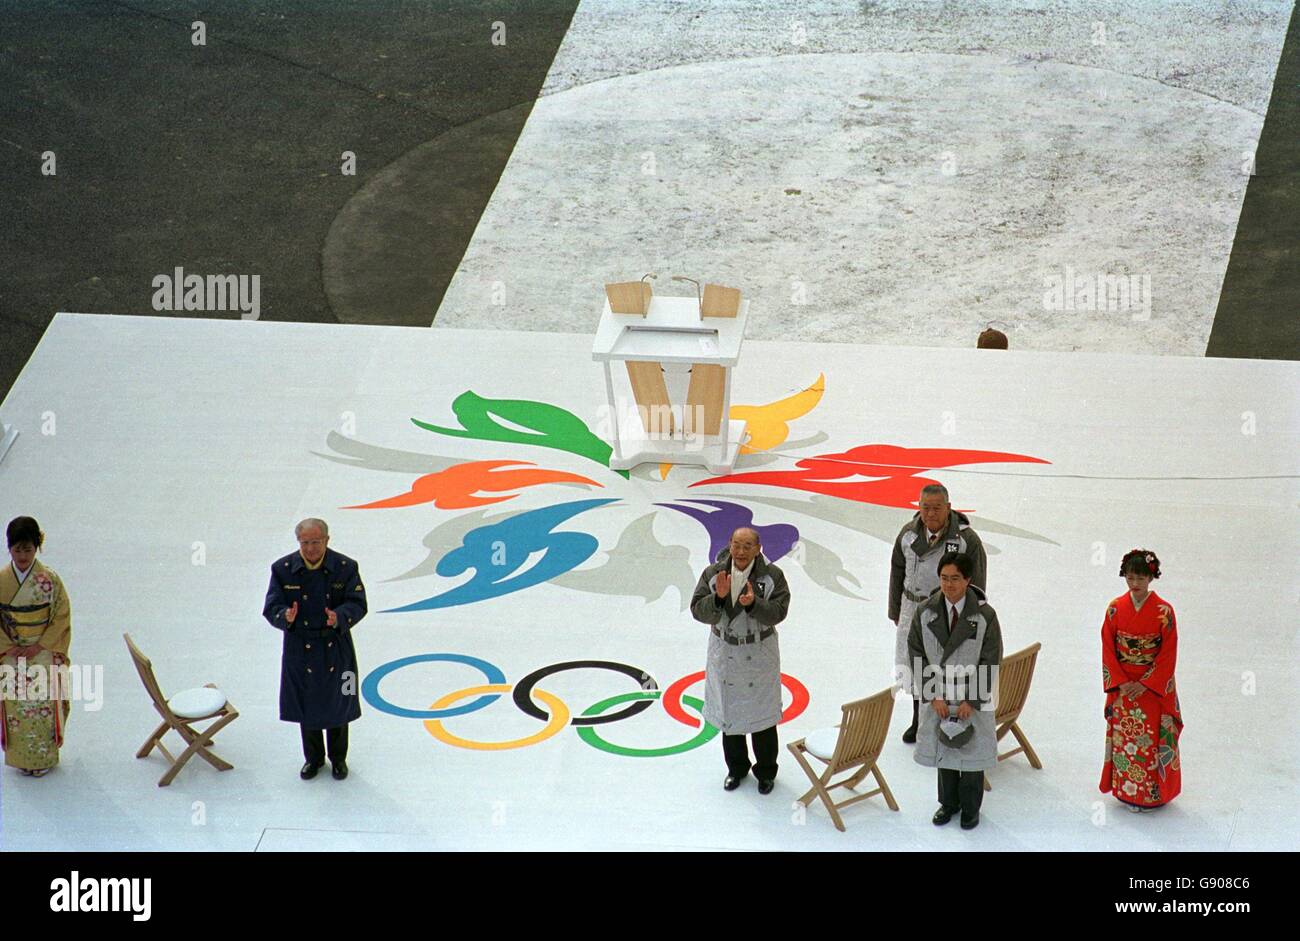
x=936, y=529
x=742, y=597
x=955, y=644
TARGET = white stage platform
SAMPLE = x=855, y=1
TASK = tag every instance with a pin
x=167, y=461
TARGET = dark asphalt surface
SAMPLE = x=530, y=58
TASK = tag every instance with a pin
x=226, y=158
x=1259, y=307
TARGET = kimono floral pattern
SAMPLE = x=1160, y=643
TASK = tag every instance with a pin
x=30, y=728
x=1139, y=762
x=1142, y=764
x=34, y=708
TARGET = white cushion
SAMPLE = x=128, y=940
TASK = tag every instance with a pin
x=821, y=744
x=196, y=703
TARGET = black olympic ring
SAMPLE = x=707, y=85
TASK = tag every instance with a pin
x=523, y=690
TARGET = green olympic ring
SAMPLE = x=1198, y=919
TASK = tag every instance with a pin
x=589, y=734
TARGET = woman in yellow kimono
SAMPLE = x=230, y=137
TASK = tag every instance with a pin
x=35, y=631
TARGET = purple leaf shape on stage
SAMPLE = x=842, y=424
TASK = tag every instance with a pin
x=721, y=521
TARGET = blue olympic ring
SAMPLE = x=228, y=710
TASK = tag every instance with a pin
x=370, y=688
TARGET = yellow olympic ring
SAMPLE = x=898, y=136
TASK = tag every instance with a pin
x=559, y=718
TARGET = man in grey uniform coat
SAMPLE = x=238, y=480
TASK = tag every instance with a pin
x=742, y=597
x=914, y=571
x=955, y=644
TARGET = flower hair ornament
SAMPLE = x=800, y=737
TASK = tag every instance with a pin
x=1148, y=558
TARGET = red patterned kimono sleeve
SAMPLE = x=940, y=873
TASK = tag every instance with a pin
x=1112, y=673
x=1159, y=678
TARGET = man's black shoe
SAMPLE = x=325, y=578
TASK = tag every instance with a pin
x=970, y=824
x=765, y=787
x=308, y=771
x=731, y=783
x=340, y=770
x=941, y=816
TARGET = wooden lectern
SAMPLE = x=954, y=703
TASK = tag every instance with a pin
x=667, y=340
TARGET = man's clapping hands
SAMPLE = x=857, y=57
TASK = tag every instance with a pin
x=722, y=585
x=291, y=615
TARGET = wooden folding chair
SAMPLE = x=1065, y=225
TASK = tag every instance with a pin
x=857, y=743
x=1015, y=674
x=180, y=713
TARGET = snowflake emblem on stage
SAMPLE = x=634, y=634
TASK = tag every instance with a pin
x=510, y=551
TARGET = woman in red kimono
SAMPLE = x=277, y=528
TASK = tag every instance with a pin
x=1139, y=647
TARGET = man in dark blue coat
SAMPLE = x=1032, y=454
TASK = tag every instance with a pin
x=316, y=598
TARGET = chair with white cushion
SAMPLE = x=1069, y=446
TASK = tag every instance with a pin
x=854, y=744
x=179, y=713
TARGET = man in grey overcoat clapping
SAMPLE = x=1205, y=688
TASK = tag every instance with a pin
x=742, y=597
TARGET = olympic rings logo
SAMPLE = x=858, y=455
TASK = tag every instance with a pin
x=557, y=715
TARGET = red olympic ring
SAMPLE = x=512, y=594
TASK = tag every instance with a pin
x=672, y=698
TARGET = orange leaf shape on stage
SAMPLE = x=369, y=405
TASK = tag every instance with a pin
x=456, y=487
